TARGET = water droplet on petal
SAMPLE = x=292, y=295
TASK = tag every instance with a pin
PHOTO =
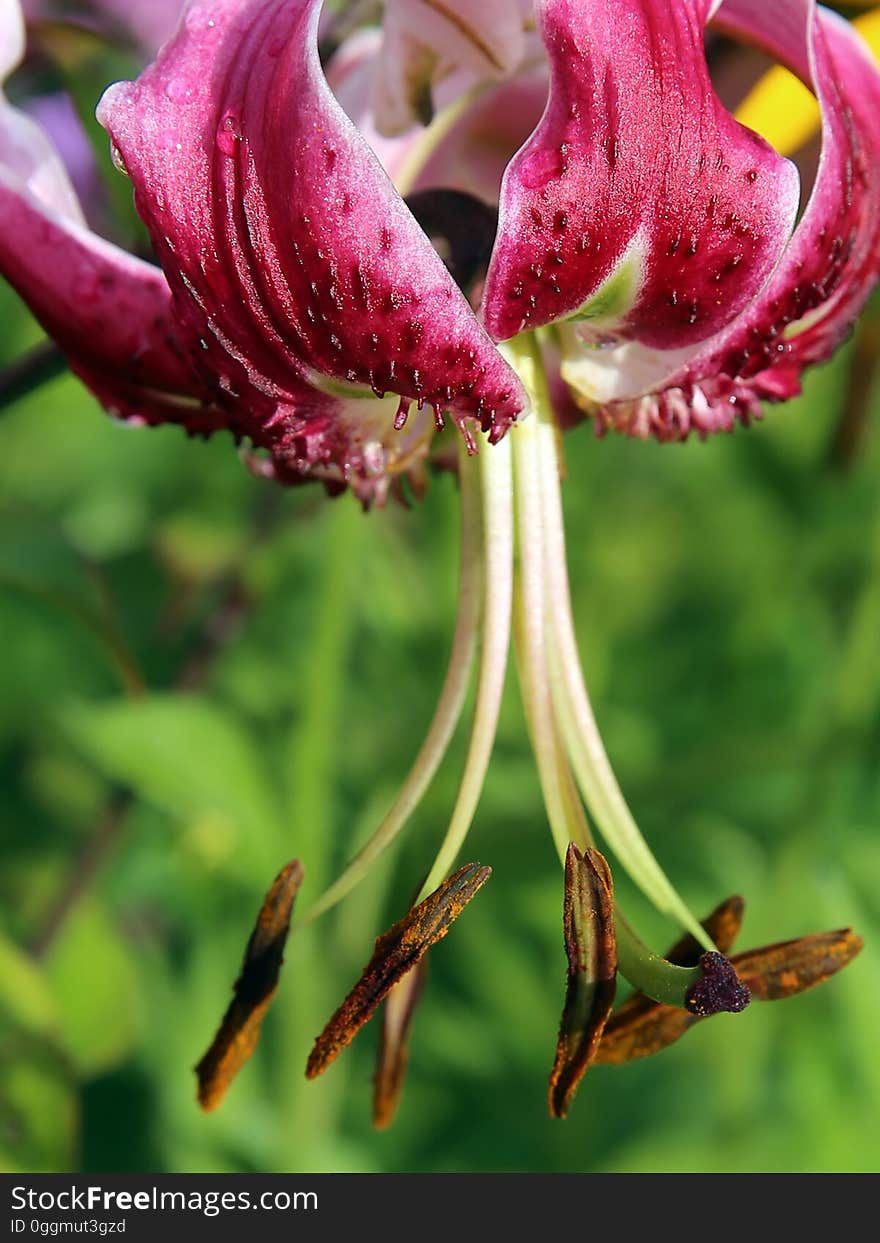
x=118, y=161
x=229, y=134
x=543, y=166
x=197, y=20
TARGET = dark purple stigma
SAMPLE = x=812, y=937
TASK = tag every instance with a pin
x=718, y=988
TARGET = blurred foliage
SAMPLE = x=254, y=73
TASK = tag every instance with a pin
x=728, y=597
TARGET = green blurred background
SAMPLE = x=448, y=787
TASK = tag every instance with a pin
x=728, y=601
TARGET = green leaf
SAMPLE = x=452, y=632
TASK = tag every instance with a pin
x=95, y=980
x=37, y=1111
x=192, y=759
x=25, y=996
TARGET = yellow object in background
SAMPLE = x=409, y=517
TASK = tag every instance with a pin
x=783, y=110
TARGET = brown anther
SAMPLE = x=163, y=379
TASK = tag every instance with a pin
x=397, y=1016
x=640, y=1030
x=397, y=951
x=591, y=948
x=642, y=1027
x=252, y=992
x=790, y=967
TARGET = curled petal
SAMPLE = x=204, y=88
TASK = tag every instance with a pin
x=403, y=87
x=296, y=267
x=109, y=313
x=639, y=207
x=826, y=272
x=352, y=73
x=28, y=161
x=487, y=38
x=833, y=260
x=11, y=37
x=425, y=40
x=796, y=314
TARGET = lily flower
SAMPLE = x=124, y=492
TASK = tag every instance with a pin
x=656, y=266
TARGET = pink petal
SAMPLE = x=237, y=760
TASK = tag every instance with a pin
x=474, y=153
x=11, y=37
x=353, y=74
x=149, y=24
x=425, y=40
x=487, y=38
x=109, y=313
x=294, y=263
x=26, y=155
x=404, y=84
x=832, y=262
x=638, y=203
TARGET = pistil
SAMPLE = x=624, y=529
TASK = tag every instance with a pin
x=573, y=711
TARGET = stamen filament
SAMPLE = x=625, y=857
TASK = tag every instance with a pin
x=498, y=529
x=564, y=809
x=449, y=705
x=575, y=715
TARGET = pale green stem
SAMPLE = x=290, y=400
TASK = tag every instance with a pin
x=533, y=443
x=564, y=809
x=574, y=711
x=449, y=706
x=495, y=468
